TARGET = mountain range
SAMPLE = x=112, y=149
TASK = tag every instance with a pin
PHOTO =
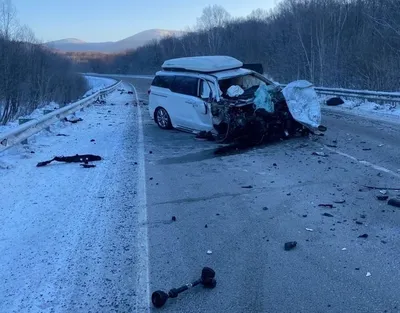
x=132, y=42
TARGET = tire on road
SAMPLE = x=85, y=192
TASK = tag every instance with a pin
x=162, y=118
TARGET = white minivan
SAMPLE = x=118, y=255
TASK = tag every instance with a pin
x=181, y=93
x=217, y=94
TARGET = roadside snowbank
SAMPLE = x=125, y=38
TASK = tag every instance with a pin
x=364, y=108
x=95, y=84
x=98, y=83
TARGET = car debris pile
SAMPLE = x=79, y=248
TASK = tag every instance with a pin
x=261, y=113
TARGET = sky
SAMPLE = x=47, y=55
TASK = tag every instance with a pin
x=103, y=20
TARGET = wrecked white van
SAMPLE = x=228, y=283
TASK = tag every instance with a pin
x=215, y=94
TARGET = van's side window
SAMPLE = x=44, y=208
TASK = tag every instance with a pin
x=186, y=85
x=163, y=81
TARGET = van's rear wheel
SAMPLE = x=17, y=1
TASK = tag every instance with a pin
x=162, y=119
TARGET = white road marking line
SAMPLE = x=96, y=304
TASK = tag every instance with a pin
x=143, y=282
x=366, y=163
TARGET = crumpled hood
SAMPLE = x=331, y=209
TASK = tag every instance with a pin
x=303, y=104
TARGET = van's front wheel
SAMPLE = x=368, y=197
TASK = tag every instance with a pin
x=162, y=119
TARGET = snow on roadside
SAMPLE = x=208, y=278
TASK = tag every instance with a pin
x=59, y=222
x=98, y=83
x=364, y=108
x=95, y=84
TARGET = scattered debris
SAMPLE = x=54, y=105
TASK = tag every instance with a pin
x=265, y=208
x=290, y=245
x=384, y=192
x=384, y=242
x=206, y=226
x=204, y=135
x=339, y=201
x=209, y=252
x=174, y=218
x=394, y=202
x=327, y=215
x=151, y=178
x=309, y=229
x=321, y=154
x=62, y=135
x=363, y=236
x=127, y=103
x=304, y=215
x=332, y=146
x=344, y=249
x=381, y=145
x=150, y=152
x=88, y=165
x=381, y=188
x=159, y=297
x=368, y=274
x=247, y=187
x=359, y=223
x=382, y=197
x=367, y=149
x=92, y=140
x=326, y=205
x=334, y=101
x=72, y=159
x=130, y=92
x=73, y=121
x=363, y=216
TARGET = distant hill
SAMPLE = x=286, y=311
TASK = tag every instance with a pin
x=132, y=42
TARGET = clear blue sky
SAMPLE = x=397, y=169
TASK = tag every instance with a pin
x=104, y=20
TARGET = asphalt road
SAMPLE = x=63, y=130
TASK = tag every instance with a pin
x=330, y=270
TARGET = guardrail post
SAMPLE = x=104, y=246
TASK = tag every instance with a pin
x=45, y=111
x=23, y=121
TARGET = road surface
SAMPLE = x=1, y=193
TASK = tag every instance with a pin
x=102, y=239
x=246, y=228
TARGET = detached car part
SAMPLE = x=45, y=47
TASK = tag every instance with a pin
x=207, y=279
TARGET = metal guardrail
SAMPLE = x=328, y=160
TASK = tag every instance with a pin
x=379, y=96
x=21, y=133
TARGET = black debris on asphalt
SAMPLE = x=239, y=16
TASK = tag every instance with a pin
x=327, y=215
x=174, y=218
x=363, y=236
x=394, y=202
x=326, y=205
x=382, y=197
x=290, y=245
x=247, y=187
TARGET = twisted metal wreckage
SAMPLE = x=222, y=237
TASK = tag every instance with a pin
x=263, y=113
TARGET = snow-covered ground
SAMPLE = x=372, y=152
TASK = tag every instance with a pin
x=95, y=84
x=68, y=234
x=361, y=107
x=98, y=83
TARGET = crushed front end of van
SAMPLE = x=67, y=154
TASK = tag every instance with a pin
x=266, y=113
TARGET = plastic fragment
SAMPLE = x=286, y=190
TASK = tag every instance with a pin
x=209, y=252
x=368, y=274
x=309, y=229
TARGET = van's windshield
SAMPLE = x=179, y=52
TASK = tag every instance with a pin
x=249, y=83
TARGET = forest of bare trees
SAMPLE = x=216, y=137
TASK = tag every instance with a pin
x=30, y=74
x=333, y=43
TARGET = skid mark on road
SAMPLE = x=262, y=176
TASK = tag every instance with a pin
x=363, y=162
